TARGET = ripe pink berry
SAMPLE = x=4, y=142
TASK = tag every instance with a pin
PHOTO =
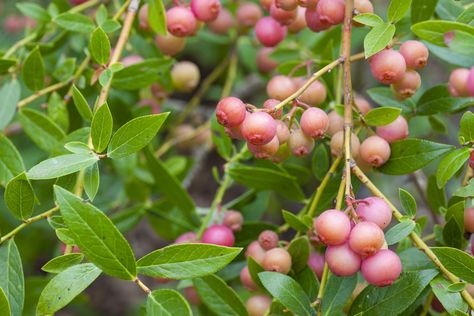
x=415, y=54
x=337, y=144
x=280, y=87
x=394, y=131
x=265, y=151
x=264, y=62
x=407, y=85
x=259, y=128
x=471, y=158
x=192, y=295
x=270, y=104
x=131, y=60
x=331, y=11
x=375, y=151
x=470, y=82
x=314, y=122
x=277, y=260
x=469, y=219
x=233, y=220
x=387, y=66
x=247, y=280
x=283, y=132
x=286, y=4
x=269, y=32
x=381, y=269
x=333, y=227
x=189, y=237
x=169, y=44
x=282, y=16
x=342, y=260
x=268, y=239
x=299, y=143
x=248, y=14
x=314, y=22
x=457, y=84
x=315, y=94
x=362, y=104
x=376, y=210
x=143, y=18
x=230, y=112
x=336, y=123
x=180, y=21
x=366, y=238
x=223, y=23
x=258, y=305
x=255, y=251
x=206, y=10
x=185, y=76
x=218, y=235
x=316, y=263
x=299, y=23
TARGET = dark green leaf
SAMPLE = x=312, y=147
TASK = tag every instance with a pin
x=99, y=46
x=338, y=292
x=166, y=302
x=450, y=301
x=157, y=16
x=61, y=263
x=408, y=202
x=60, y=166
x=436, y=197
x=399, y=231
x=92, y=180
x=422, y=10
x=456, y=261
x=384, y=97
x=433, y=31
x=101, y=128
x=254, y=270
x=320, y=161
x=57, y=111
x=11, y=163
x=382, y=116
x=295, y=222
x=44, y=132
x=308, y=281
x=378, y=38
x=75, y=22
x=10, y=95
x=466, y=128
x=414, y=259
x=438, y=100
x=4, y=304
x=397, y=10
x=33, y=70
x=450, y=164
x=20, y=197
x=299, y=250
x=142, y=74
x=369, y=19
x=453, y=231
x=81, y=104
x=11, y=276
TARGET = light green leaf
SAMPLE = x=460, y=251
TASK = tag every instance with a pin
x=368, y=19
x=157, y=16
x=142, y=74
x=78, y=148
x=33, y=70
x=4, y=304
x=110, y=26
x=438, y=100
x=433, y=30
x=382, y=116
x=295, y=222
x=466, y=191
x=74, y=22
x=450, y=301
x=408, y=202
x=453, y=230
x=20, y=197
x=34, y=11
x=338, y=291
x=11, y=163
x=81, y=104
x=456, y=261
x=101, y=129
x=11, y=276
x=399, y=231
x=320, y=161
x=96, y=236
x=450, y=164
x=378, y=38
x=44, y=132
x=99, y=46
x=92, y=180
x=61, y=263
x=9, y=96
x=167, y=302
x=60, y=166
x=466, y=128
x=397, y=10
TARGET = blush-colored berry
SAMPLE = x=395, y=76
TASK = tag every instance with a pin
x=192, y=295
x=258, y=305
x=131, y=60
x=169, y=44
x=376, y=210
x=333, y=227
x=381, y=269
x=185, y=76
x=315, y=94
x=362, y=104
x=265, y=151
x=280, y=87
x=277, y=260
x=457, y=83
x=283, y=132
x=331, y=11
x=316, y=263
x=247, y=280
x=143, y=18
x=266, y=4
x=366, y=238
x=269, y=32
x=363, y=6
x=375, y=151
x=255, y=251
x=189, y=237
x=180, y=21
x=314, y=122
x=218, y=235
x=259, y=128
x=268, y=239
x=415, y=54
x=264, y=62
x=270, y=104
x=336, y=123
x=309, y=4
x=230, y=112
x=233, y=220
x=342, y=260
x=299, y=23
x=282, y=16
x=469, y=219
x=397, y=130
x=299, y=143
x=286, y=4
x=248, y=14
x=470, y=82
x=337, y=144
x=223, y=23
x=387, y=66
x=206, y=10
x=407, y=85
x=314, y=22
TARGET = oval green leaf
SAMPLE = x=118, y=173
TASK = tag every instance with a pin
x=61, y=263
x=101, y=128
x=11, y=276
x=99, y=46
x=382, y=116
x=378, y=38
x=33, y=70
x=60, y=166
x=20, y=197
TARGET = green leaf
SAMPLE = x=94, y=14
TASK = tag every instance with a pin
x=219, y=297
x=408, y=202
x=433, y=30
x=4, y=304
x=448, y=9
x=140, y=75
x=338, y=292
x=399, y=231
x=11, y=276
x=288, y=292
x=186, y=261
x=412, y=154
x=393, y=299
x=105, y=77
x=65, y=286
x=456, y=261
x=96, y=236
x=384, y=96
x=450, y=164
x=382, y=116
x=414, y=259
x=74, y=22
x=99, y=46
x=34, y=11
x=457, y=287
x=422, y=10
x=462, y=43
x=450, y=301
x=10, y=95
x=254, y=269
x=135, y=135
x=294, y=222
x=467, y=16
x=61, y=263
x=6, y=64
x=368, y=19
x=11, y=163
x=466, y=191
x=438, y=100
x=78, y=148
x=157, y=16
x=60, y=166
x=308, y=281
x=167, y=302
x=320, y=161
x=299, y=250
x=436, y=196
x=44, y=132
x=453, y=231
x=57, y=111
x=101, y=128
x=397, y=10
x=466, y=128
x=20, y=197
x=378, y=38
x=33, y=70
x=92, y=180
x=110, y=26
x=81, y=104
x=449, y=56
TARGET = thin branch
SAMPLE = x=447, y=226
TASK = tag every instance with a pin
x=142, y=286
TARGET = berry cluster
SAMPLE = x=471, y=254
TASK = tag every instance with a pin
x=461, y=82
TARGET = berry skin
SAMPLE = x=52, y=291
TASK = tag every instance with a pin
x=342, y=260
x=337, y=144
x=255, y=251
x=314, y=22
x=180, y=21
x=223, y=23
x=259, y=128
x=277, y=260
x=471, y=158
x=362, y=104
x=189, y=237
x=247, y=280
x=375, y=151
x=376, y=210
x=363, y=6
x=270, y=104
x=316, y=263
x=143, y=18
x=299, y=23
x=287, y=5
x=470, y=82
x=282, y=16
x=314, y=122
x=280, y=87
x=131, y=60
x=230, y=112
x=192, y=295
x=407, y=85
x=169, y=44
x=309, y=4
x=264, y=62
x=457, y=83
x=415, y=54
x=218, y=235
x=331, y=11
x=333, y=227
x=268, y=239
x=381, y=269
x=366, y=238
x=258, y=305
x=299, y=143
x=265, y=151
x=206, y=10
x=248, y=14
x=387, y=66
x=283, y=132
x=266, y=4
x=469, y=219
x=185, y=76
x=336, y=123
x=394, y=131
x=233, y=220
x=315, y=94
x=269, y=32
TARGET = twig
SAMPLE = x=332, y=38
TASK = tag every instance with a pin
x=142, y=286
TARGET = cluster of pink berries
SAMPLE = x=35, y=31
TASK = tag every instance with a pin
x=357, y=246
x=398, y=68
x=461, y=82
